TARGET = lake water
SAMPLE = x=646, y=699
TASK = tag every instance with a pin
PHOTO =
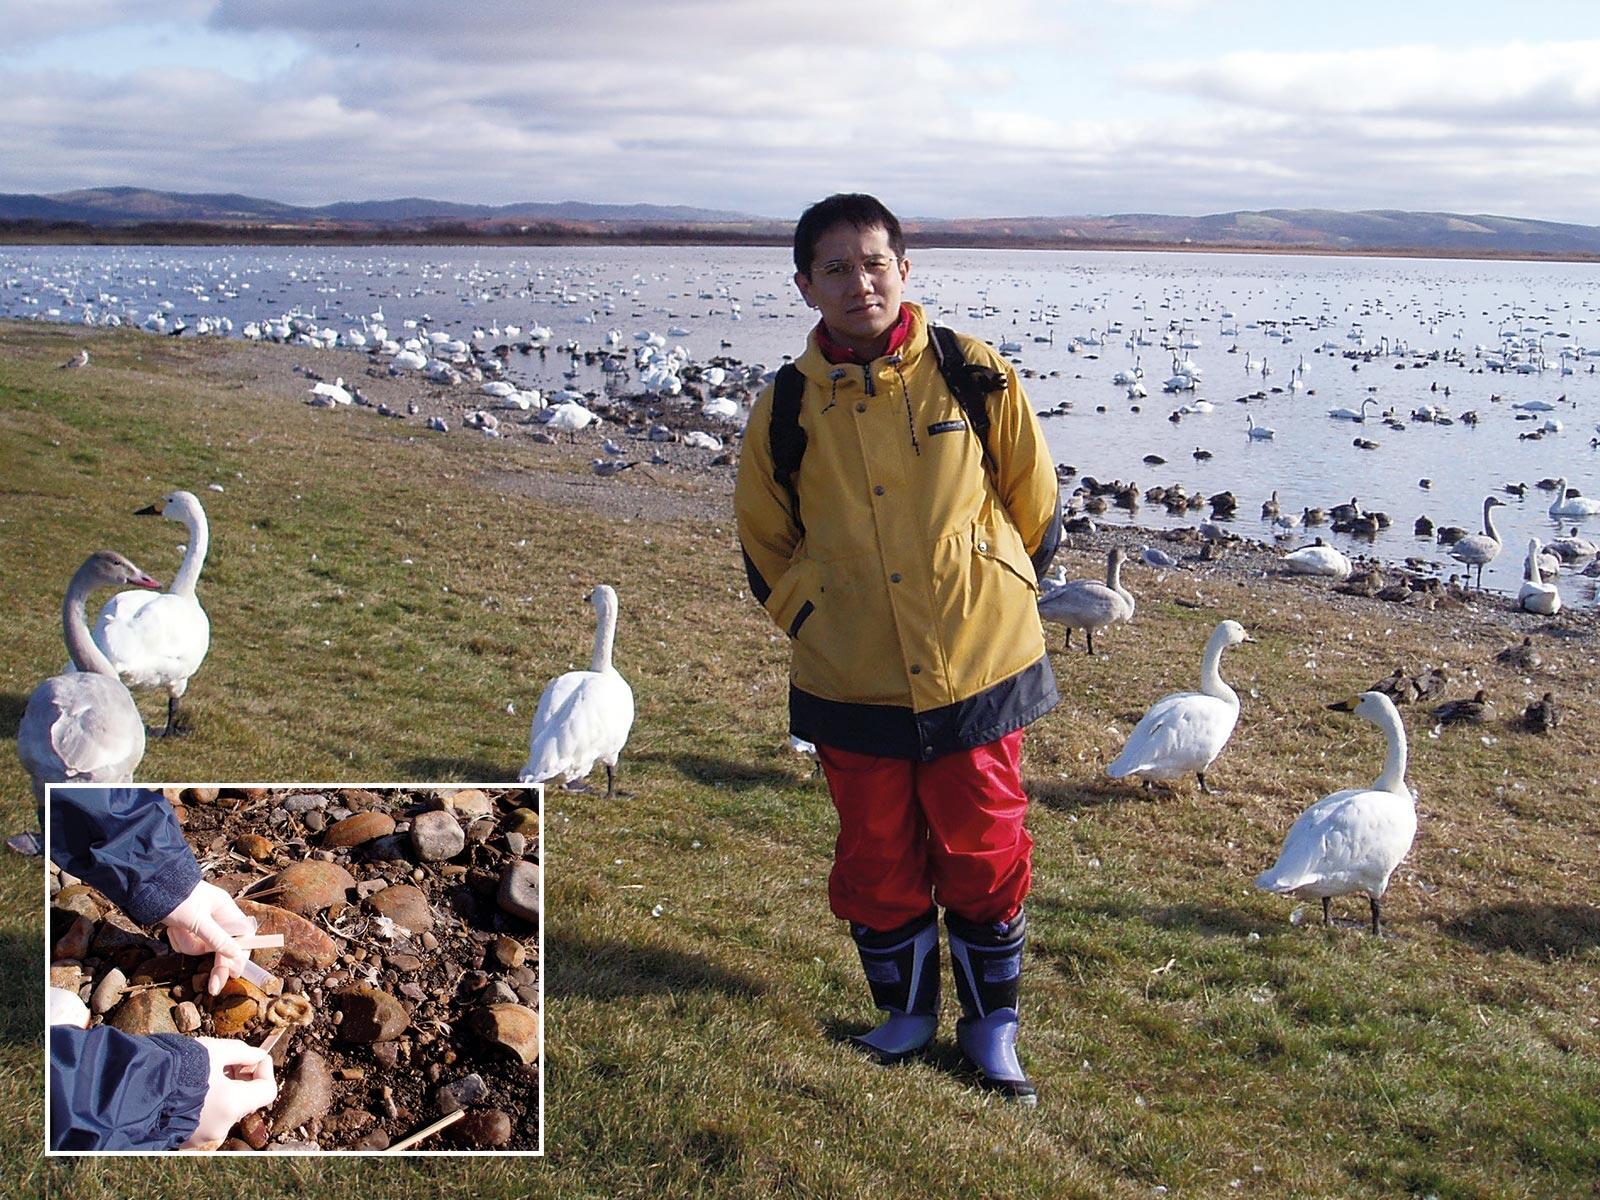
x=1430, y=333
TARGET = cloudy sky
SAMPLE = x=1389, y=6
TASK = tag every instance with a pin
x=976, y=108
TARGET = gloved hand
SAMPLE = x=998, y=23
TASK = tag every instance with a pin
x=204, y=923
x=241, y=1082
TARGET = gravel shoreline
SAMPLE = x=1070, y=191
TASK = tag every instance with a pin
x=685, y=483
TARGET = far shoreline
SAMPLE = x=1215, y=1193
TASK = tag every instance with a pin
x=33, y=233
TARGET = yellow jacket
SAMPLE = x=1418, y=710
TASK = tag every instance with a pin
x=911, y=595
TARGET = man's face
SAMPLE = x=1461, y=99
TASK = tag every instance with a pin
x=855, y=282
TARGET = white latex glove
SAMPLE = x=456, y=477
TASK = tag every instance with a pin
x=241, y=1082
x=62, y=1007
x=205, y=924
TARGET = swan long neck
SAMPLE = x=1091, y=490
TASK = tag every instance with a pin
x=1210, y=670
x=1393, y=776
x=86, y=656
x=1488, y=523
x=605, y=634
x=183, y=583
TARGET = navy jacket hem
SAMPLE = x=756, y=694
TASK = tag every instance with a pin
x=894, y=731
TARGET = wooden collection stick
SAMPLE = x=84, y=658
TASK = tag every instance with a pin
x=259, y=941
x=427, y=1131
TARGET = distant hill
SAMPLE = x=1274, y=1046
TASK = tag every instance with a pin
x=1310, y=228
x=129, y=205
x=126, y=213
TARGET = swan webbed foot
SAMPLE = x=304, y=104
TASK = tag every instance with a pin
x=575, y=785
x=1206, y=787
x=174, y=727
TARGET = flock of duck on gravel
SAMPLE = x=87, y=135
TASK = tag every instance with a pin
x=1417, y=582
x=83, y=725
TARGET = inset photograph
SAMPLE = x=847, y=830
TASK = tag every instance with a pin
x=295, y=968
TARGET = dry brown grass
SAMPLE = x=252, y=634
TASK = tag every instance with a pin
x=1184, y=1033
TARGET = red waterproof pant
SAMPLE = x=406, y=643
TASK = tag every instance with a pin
x=913, y=834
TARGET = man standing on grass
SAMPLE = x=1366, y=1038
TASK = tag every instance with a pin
x=896, y=505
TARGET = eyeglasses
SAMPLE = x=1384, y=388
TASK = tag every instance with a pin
x=878, y=266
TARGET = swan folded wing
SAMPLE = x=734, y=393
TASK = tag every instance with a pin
x=1181, y=733
x=89, y=730
x=152, y=638
x=583, y=718
x=1347, y=842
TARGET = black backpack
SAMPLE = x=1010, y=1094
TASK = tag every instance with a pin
x=970, y=384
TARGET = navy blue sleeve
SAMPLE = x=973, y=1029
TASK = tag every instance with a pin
x=126, y=841
x=110, y=1090
x=1048, y=544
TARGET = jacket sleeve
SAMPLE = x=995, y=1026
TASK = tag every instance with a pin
x=1025, y=476
x=768, y=534
x=113, y=1091
x=125, y=841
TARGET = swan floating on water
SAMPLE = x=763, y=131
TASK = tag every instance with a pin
x=1351, y=841
x=583, y=716
x=83, y=726
x=1185, y=731
x=160, y=640
x=1572, y=505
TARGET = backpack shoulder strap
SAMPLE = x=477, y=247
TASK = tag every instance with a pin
x=787, y=438
x=970, y=383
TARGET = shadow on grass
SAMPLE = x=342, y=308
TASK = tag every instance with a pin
x=12, y=706
x=1061, y=796
x=458, y=770
x=21, y=991
x=707, y=770
x=610, y=970
x=1537, y=930
x=1190, y=918
x=942, y=1054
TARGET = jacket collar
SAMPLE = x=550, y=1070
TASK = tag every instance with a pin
x=816, y=364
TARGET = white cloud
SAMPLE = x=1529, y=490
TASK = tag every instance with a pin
x=948, y=110
x=1554, y=81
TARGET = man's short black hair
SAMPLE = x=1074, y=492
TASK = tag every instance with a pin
x=843, y=208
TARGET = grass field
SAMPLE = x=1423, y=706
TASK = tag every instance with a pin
x=376, y=604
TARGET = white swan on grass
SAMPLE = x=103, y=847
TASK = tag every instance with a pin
x=160, y=640
x=1480, y=549
x=82, y=726
x=1535, y=595
x=1574, y=505
x=583, y=716
x=1318, y=559
x=1185, y=731
x=1352, y=840
x=1089, y=605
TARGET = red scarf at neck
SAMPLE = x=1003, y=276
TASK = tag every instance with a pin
x=834, y=352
